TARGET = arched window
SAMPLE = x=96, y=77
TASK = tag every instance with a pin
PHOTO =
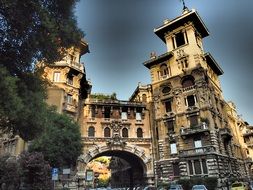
x=164, y=70
x=139, y=132
x=188, y=81
x=91, y=131
x=144, y=98
x=107, y=132
x=166, y=89
x=124, y=132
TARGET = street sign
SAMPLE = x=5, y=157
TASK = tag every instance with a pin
x=89, y=175
x=66, y=171
x=55, y=172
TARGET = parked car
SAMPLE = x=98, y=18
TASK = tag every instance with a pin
x=176, y=187
x=239, y=186
x=199, y=187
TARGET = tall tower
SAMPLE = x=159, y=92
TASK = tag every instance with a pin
x=192, y=131
x=67, y=81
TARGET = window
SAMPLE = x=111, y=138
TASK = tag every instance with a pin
x=187, y=82
x=197, y=167
x=190, y=167
x=69, y=99
x=144, y=98
x=176, y=170
x=124, y=132
x=107, y=112
x=173, y=148
x=139, y=132
x=70, y=79
x=180, y=39
x=166, y=90
x=190, y=100
x=170, y=126
x=124, y=113
x=204, y=166
x=167, y=105
x=157, y=133
x=193, y=120
x=93, y=111
x=57, y=76
x=198, y=144
x=91, y=131
x=107, y=132
x=164, y=70
x=138, y=116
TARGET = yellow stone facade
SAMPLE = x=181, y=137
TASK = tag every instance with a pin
x=193, y=132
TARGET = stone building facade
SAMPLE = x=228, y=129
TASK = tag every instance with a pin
x=120, y=129
x=193, y=133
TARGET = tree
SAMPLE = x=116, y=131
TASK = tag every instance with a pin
x=64, y=138
x=9, y=172
x=31, y=31
x=34, y=171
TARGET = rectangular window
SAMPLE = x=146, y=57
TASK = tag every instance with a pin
x=198, y=144
x=190, y=167
x=93, y=111
x=176, y=170
x=190, y=100
x=205, y=171
x=107, y=113
x=193, y=120
x=124, y=115
x=70, y=80
x=57, y=76
x=197, y=167
x=170, y=126
x=180, y=39
x=69, y=99
x=138, y=116
x=167, y=105
x=173, y=148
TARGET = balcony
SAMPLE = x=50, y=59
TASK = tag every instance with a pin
x=202, y=128
x=197, y=151
x=113, y=102
x=248, y=133
x=225, y=133
x=71, y=64
x=69, y=107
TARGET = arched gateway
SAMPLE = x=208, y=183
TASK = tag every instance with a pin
x=117, y=127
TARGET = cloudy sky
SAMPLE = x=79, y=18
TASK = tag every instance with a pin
x=120, y=36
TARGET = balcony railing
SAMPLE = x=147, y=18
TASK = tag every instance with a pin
x=109, y=101
x=225, y=132
x=248, y=133
x=105, y=139
x=197, y=151
x=189, y=88
x=72, y=64
x=202, y=128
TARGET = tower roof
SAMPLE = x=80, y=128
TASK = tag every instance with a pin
x=188, y=16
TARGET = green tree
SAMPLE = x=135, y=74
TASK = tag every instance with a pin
x=31, y=31
x=9, y=172
x=61, y=141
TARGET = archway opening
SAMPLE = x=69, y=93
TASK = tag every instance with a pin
x=123, y=169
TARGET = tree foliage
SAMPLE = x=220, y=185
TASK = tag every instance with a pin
x=29, y=171
x=30, y=31
x=64, y=138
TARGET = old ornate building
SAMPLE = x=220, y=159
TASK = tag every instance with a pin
x=120, y=129
x=67, y=81
x=193, y=134
x=67, y=88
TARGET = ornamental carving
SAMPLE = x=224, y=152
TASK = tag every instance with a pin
x=116, y=140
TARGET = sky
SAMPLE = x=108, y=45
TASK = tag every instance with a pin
x=120, y=37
